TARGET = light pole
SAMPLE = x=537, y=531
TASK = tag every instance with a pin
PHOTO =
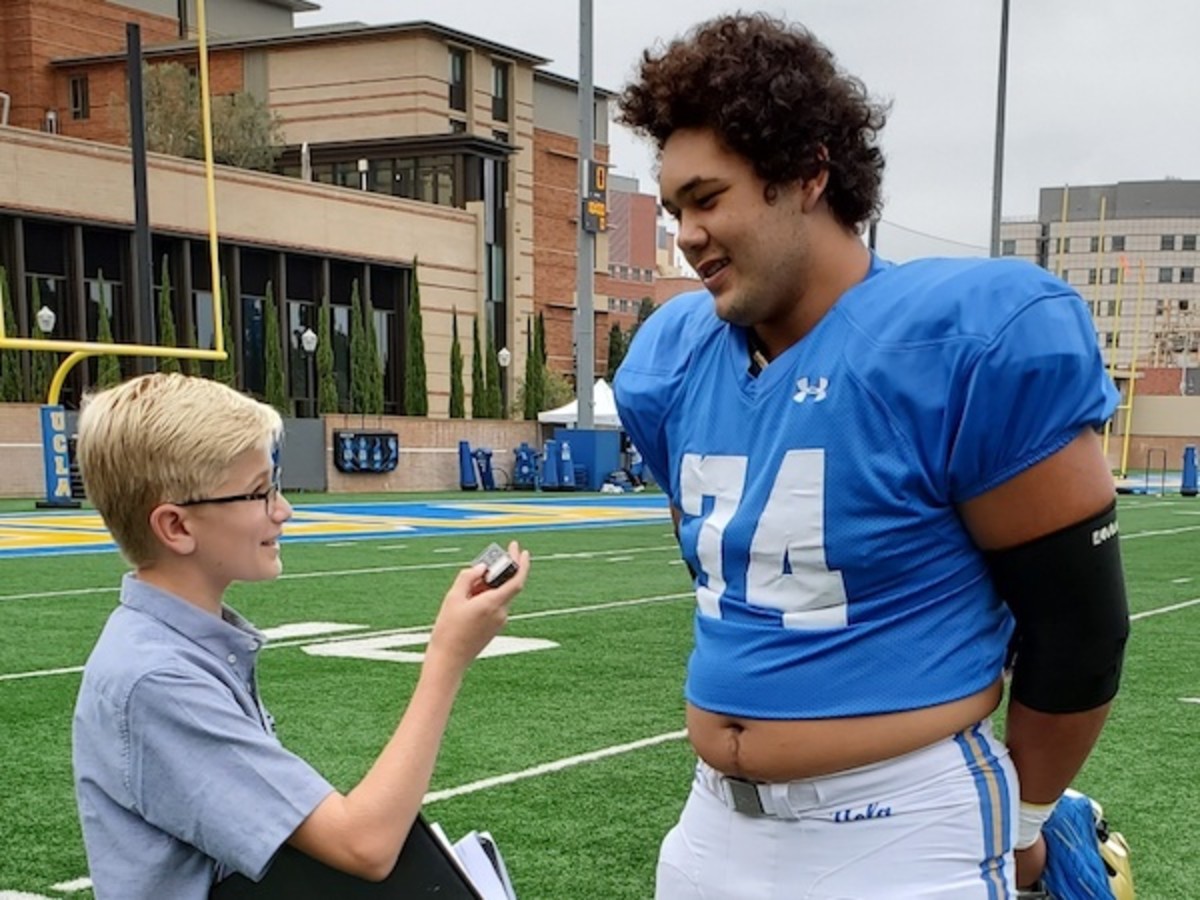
x=45, y=318
x=998, y=160
x=308, y=344
x=504, y=357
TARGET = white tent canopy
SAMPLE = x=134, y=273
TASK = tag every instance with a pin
x=604, y=409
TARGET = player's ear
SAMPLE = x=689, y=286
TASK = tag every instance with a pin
x=171, y=527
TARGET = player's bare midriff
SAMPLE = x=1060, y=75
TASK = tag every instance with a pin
x=785, y=750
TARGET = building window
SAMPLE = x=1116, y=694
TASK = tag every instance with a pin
x=457, y=126
x=1066, y=275
x=458, y=79
x=1064, y=245
x=500, y=72
x=1189, y=242
x=501, y=136
x=1114, y=275
x=1187, y=276
x=1008, y=248
x=1164, y=275
x=1094, y=246
x=1117, y=243
x=1183, y=306
x=80, y=106
x=1168, y=242
x=1091, y=276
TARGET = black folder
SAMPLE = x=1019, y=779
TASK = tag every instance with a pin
x=424, y=870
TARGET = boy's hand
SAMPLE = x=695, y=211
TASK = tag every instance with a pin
x=472, y=613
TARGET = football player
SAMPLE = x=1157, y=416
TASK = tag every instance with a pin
x=880, y=476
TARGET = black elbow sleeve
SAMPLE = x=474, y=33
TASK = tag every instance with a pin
x=1066, y=591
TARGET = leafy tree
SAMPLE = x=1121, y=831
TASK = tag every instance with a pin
x=12, y=387
x=108, y=367
x=495, y=399
x=479, y=398
x=416, y=394
x=372, y=368
x=44, y=361
x=646, y=307
x=225, y=370
x=277, y=395
x=327, y=392
x=458, y=403
x=166, y=321
x=559, y=390
x=616, y=351
x=245, y=131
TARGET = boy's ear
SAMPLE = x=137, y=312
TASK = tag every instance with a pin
x=172, y=527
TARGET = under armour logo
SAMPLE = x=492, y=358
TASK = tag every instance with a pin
x=804, y=390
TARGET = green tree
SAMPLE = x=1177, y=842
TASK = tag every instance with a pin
x=225, y=370
x=616, y=351
x=530, y=387
x=372, y=367
x=479, y=398
x=327, y=392
x=166, y=320
x=358, y=355
x=44, y=361
x=277, y=395
x=416, y=394
x=12, y=386
x=458, y=403
x=495, y=399
x=245, y=131
x=108, y=367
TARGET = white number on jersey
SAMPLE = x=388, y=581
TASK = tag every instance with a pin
x=787, y=570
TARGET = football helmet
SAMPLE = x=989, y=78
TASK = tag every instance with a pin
x=1083, y=857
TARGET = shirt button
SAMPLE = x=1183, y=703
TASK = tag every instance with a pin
x=253, y=645
x=232, y=658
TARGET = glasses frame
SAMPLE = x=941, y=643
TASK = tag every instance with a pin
x=268, y=497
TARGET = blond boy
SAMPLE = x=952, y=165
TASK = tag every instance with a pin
x=179, y=776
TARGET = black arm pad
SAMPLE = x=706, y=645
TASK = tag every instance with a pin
x=1066, y=591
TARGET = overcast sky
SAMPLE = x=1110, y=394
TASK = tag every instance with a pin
x=1099, y=91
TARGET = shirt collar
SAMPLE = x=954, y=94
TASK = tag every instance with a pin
x=230, y=638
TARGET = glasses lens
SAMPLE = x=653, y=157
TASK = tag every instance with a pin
x=272, y=498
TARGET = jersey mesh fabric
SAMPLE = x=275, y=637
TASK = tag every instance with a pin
x=819, y=498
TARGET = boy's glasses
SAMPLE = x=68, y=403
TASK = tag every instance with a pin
x=268, y=497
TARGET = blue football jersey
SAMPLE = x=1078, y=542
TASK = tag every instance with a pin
x=818, y=497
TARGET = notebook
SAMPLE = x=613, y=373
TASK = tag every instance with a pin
x=427, y=867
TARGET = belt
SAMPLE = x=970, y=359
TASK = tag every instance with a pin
x=759, y=799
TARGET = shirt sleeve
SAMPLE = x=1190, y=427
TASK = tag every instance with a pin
x=205, y=772
x=649, y=377
x=1030, y=392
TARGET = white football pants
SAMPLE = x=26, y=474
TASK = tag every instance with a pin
x=939, y=822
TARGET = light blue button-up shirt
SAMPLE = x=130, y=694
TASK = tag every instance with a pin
x=178, y=773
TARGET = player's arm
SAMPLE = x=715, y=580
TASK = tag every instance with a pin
x=361, y=832
x=1050, y=538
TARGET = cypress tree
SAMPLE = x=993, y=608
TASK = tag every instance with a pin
x=539, y=352
x=495, y=401
x=108, y=368
x=277, y=395
x=458, y=405
x=358, y=353
x=532, y=374
x=225, y=370
x=44, y=361
x=478, y=385
x=616, y=351
x=12, y=387
x=327, y=392
x=166, y=321
x=373, y=367
x=416, y=394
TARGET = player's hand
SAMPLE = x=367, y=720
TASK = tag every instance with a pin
x=1030, y=863
x=473, y=613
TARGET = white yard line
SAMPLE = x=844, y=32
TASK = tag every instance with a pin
x=557, y=765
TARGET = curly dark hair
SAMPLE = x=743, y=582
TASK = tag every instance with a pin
x=772, y=93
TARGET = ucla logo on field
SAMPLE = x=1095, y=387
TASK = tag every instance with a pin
x=804, y=389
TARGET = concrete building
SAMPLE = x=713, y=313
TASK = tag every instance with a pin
x=1130, y=249
x=412, y=153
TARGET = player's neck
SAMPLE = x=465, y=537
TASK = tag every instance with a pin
x=839, y=262
x=182, y=581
